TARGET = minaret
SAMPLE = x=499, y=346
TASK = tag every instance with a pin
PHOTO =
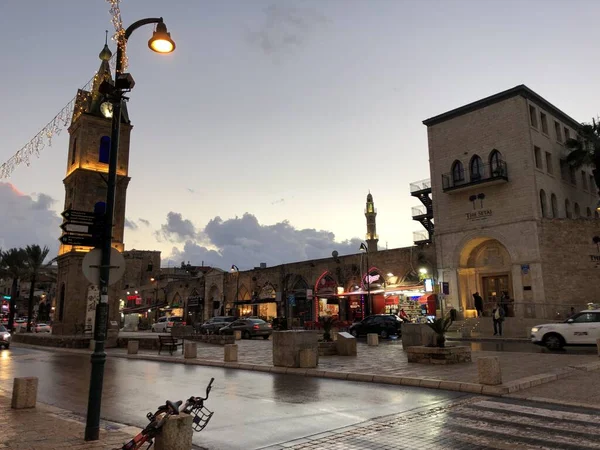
x=370, y=214
x=85, y=190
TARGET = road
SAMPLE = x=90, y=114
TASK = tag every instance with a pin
x=252, y=410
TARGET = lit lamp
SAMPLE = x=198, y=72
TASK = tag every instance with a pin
x=423, y=271
x=235, y=268
x=161, y=41
x=598, y=206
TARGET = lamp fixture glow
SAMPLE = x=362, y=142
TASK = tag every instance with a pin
x=390, y=274
x=598, y=206
x=161, y=41
x=422, y=270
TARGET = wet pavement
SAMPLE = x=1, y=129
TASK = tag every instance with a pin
x=252, y=409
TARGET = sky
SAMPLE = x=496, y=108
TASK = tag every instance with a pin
x=259, y=138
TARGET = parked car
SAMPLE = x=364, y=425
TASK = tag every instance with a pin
x=42, y=328
x=214, y=324
x=582, y=328
x=384, y=325
x=249, y=327
x=164, y=324
x=5, y=337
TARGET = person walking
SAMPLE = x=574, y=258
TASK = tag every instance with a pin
x=498, y=317
x=478, y=304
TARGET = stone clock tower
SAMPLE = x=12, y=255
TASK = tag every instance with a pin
x=371, y=214
x=85, y=190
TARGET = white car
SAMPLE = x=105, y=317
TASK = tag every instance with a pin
x=582, y=328
x=5, y=337
x=165, y=324
x=43, y=328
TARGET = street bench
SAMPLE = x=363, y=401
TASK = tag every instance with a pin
x=170, y=343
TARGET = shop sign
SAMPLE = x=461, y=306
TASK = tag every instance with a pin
x=595, y=258
x=478, y=215
x=309, y=293
x=372, y=278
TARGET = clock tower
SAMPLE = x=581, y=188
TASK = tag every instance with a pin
x=85, y=190
x=370, y=214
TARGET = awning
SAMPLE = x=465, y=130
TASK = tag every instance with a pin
x=255, y=302
x=136, y=309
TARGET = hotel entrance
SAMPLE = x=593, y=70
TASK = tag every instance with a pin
x=493, y=288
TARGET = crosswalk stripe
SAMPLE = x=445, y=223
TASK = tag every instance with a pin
x=546, y=413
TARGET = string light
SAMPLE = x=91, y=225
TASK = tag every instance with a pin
x=119, y=36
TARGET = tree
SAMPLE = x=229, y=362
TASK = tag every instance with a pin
x=33, y=263
x=13, y=266
x=585, y=150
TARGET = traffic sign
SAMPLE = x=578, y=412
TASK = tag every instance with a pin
x=76, y=216
x=70, y=227
x=91, y=266
x=76, y=239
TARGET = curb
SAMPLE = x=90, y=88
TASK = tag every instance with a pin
x=551, y=401
x=490, y=339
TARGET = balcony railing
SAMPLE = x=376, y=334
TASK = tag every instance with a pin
x=420, y=185
x=420, y=236
x=457, y=179
x=417, y=211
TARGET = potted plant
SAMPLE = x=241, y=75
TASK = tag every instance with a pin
x=328, y=322
x=440, y=327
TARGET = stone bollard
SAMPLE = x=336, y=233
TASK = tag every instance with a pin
x=190, y=350
x=346, y=344
x=24, y=393
x=176, y=433
x=237, y=334
x=598, y=346
x=372, y=339
x=489, y=370
x=308, y=358
x=133, y=347
x=231, y=352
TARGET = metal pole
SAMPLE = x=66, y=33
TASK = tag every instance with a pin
x=370, y=306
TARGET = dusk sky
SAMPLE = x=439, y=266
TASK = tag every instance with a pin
x=259, y=138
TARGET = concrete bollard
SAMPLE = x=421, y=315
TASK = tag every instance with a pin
x=231, y=352
x=308, y=358
x=598, y=346
x=92, y=344
x=133, y=347
x=237, y=334
x=190, y=350
x=372, y=339
x=176, y=433
x=24, y=394
x=489, y=370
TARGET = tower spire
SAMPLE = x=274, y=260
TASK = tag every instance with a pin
x=371, y=214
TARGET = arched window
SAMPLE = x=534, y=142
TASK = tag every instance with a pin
x=567, y=209
x=577, y=211
x=554, y=205
x=543, y=203
x=458, y=172
x=74, y=151
x=104, y=151
x=589, y=213
x=476, y=168
x=496, y=163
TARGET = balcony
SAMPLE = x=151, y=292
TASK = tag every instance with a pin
x=489, y=174
x=423, y=186
x=421, y=237
x=419, y=212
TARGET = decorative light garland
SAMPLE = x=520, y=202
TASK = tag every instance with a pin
x=67, y=114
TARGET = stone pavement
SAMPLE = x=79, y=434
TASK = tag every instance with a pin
x=476, y=423
x=46, y=427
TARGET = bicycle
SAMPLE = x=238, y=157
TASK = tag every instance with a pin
x=193, y=406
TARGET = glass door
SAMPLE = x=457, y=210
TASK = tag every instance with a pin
x=493, y=288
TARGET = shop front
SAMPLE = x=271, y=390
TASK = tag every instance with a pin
x=327, y=302
x=264, y=304
x=195, y=309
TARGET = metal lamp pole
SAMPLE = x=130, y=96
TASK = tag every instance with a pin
x=159, y=42
x=369, y=306
x=237, y=285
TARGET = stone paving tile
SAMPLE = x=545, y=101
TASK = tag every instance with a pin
x=41, y=429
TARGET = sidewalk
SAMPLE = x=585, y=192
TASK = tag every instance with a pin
x=46, y=427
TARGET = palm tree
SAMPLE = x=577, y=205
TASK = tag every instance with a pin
x=34, y=260
x=586, y=149
x=13, y=266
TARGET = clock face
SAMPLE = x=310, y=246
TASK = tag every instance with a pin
x=106, y=109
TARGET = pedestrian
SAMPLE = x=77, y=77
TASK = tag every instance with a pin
x=498, y=317
x=478, y=304
x=572, y=313
x=403, y=316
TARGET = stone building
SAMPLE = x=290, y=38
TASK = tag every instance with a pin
x=511, y=217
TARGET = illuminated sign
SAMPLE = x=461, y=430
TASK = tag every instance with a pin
x=428, y=285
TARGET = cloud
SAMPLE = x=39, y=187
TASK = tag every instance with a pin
x=245, y=242
x=285, y=29
x=130, y=224
x=144, y=222
x=177, y=229
x=28, y=220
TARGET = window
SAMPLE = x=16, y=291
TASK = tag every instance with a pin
x=564, y=169
x=589, y=213
x=74, y=151
x=458, y=173
x=544, y=121
x=476, y=168
x=538, y=157
x=567, y=134
x=549, y=167
x=584, y=180
x=557, y=131
x=577, y=211
x=554, y=206
x=586, y=317
x=543, y=203
x=572, y=176
x=496, y=163
x=567, y=209
x=104, y=151
x=533, y=116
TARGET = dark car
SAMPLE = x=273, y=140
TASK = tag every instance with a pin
x=249, y=327
x=214, y=324
x=384, y=325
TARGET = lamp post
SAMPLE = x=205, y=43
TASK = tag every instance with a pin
x=160, y=42
x=235, y=268
x=369, y=308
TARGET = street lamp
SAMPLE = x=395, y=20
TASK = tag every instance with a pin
x=160, y=42
x=235, y=268
x=369, y=306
